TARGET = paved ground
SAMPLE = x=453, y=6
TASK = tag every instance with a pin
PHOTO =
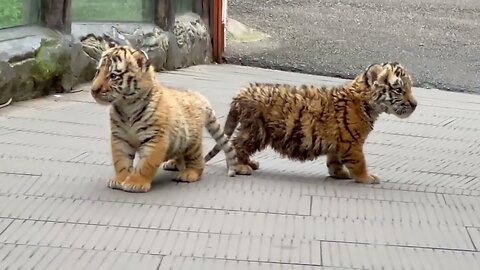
x=438, y=40
x=57, y=213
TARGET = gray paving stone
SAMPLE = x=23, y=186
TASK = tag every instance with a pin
x=14, y=165
x=56, y=211
x=187, y=263
x=66, y=129
x=4, y=223
x=58, y=142
x=76, y=236
x=362, y=256
x=35, y=257
x=465, y=208
x=166, y=193
x=474, y=233
x=16, y=183
x=410, y=212
x=347, y=228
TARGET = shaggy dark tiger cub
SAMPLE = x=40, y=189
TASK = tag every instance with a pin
x=155, y=122
x=302, y=123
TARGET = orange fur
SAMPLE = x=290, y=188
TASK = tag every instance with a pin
x=155, y=122
x=305, y=122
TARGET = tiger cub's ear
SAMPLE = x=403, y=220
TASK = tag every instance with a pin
x=142, y=59
x=373, y=73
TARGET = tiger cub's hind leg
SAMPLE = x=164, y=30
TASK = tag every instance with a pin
x=336, y=169
x=354, y=160
x=254, y=164
x=194, y=163
x=246, y=145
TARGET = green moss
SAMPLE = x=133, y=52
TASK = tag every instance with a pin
x=52, y=59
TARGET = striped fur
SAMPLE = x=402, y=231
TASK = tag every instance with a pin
x=305, y=122
x=158, y=124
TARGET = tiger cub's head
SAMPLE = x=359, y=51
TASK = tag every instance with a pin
x=391, y=88
x=120, y=71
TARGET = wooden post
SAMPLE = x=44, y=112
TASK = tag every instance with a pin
x=56, y=14
x=206, y=11
x=170, y=14
x=164, y=15
x=67, y=16
x=202, y=8
x=216, y=31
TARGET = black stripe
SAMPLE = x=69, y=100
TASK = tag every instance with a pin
x=130, y=79
x=115, y=122
x=345, y=122
x=146, y=140
x=365, y=79
x=349, y=147
x=120, y=138
x=193, y=152
x=139, y=114
x=320, y=143
x=119, y=113
x=142, y=128
x=148, y=118
x=228, y=149
x=350, y=161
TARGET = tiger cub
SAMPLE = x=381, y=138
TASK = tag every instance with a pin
x=305, y=122
x=159, y=124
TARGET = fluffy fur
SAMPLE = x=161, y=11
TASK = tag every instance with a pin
x=157, y=123
x=305, y=122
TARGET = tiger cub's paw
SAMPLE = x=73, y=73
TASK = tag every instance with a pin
x=189, y=175
x=254, y=164
x=170, y=165
x=243, y=169
x=137, y=184
x=114, y=183
x=339, y=173
x=369, y=179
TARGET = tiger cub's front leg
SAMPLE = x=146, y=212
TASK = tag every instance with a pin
x=194, y=163
x=354, y=160
x=152, y=154
x=122, y=154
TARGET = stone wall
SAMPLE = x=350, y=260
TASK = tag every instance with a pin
x=40, y=61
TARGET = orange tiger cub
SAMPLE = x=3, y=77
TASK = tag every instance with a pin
x=158, y=124
x=305, y=122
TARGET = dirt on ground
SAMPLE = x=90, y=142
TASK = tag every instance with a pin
x=438, y=41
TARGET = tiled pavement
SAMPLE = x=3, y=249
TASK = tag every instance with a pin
x=57, y=213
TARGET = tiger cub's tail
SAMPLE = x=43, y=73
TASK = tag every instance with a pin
x=230, y=125
x=222, y=141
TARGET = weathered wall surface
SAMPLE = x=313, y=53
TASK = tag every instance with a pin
x=39, y=61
